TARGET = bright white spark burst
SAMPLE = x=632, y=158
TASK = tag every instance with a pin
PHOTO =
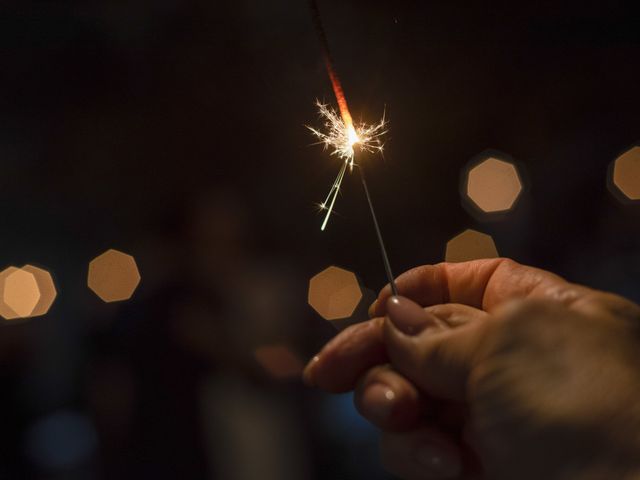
x=341, y=139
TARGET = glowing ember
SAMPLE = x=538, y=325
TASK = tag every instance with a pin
x=340, y=136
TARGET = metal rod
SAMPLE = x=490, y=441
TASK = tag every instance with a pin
x=385, y=258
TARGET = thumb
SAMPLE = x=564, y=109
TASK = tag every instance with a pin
x=435, y=358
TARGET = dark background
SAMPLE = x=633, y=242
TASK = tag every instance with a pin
x=174, y=131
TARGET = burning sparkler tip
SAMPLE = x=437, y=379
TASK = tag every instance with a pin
x=341, y=136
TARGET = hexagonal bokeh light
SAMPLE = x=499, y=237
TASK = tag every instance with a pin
x=113, y=276
x=46, y=287
x=20, y=293
x=493, y=185
x=334, y=293
x=279, y=361
x=470, y=245
x=6, y=312
x=626, y=173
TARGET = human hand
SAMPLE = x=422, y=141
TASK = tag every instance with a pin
x=499, y=371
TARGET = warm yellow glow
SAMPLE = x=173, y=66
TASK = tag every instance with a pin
x=6, y=312
x=493, y=185
x=352, y=135
x=20, y=293
x=470, y=245
x=341, y=136
x=334, y=293
x=25, y=292
x=113, y=276
x=626, y=173
x=46, y=287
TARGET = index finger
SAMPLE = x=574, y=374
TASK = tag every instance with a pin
x=483, y=284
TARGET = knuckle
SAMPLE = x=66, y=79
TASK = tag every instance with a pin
x=508, y=263
x=519, y=310
x=604, y=302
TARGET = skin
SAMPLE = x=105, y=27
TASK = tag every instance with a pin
x=491, y=369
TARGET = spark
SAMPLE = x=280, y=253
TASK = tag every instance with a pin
x=341, y=136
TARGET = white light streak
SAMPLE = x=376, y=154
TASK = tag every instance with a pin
x=342, y=138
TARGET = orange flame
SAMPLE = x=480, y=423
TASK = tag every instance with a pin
x=333, y=76
x=339, y=93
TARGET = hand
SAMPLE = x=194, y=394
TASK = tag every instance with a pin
x=494, y=370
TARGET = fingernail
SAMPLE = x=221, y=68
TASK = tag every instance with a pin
x=438, y=461
x=408, y=317
x=307, y=374
x=372, y=309
x=379, y=400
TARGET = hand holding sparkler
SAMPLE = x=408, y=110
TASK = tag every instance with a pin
x=494, y=361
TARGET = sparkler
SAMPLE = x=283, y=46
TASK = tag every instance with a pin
x=341, y=135
x=342, y=139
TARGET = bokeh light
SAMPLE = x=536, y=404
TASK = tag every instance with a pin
x=493, y=185
x=20, y=293
x=279, y=361
x=6, y=312
x=626, y=174
x=470, y=245
x=113, y=276
x=334, y=293
x=46, y=287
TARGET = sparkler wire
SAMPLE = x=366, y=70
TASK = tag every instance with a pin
x=367, y=137
x=383, y=250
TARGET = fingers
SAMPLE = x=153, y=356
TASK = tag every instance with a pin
x=616, y=307
x=388, y=400
x=455, y=315
x=440, y=360
x=423, y=453
x=356, y=349
x=437, y=360
x=483, y=284
x=346, y=357
x=392, y=403
x=414, y=317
